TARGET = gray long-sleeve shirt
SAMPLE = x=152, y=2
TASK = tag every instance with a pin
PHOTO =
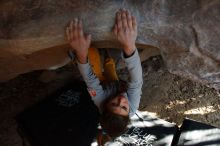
x=135, y=81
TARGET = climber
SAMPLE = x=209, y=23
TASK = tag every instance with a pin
x=115, y=105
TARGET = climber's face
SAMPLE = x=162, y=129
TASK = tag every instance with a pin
x=119, y=105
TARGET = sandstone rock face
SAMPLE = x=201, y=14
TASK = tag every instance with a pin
x=186, y=33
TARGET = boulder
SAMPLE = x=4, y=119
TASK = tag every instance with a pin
x=186, y=33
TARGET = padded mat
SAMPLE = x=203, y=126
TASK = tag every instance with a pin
x=66, y=118
x=194, y=133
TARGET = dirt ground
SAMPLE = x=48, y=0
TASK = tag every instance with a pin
x=165, y=95
x=174, y=98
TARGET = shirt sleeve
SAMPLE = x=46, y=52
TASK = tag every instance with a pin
x=135, y=81
x=94, y=87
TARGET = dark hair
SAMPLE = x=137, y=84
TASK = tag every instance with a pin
x=113, y=124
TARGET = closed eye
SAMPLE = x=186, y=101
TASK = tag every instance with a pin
x=124, y=108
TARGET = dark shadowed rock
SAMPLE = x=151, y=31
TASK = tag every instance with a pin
x=186, y=33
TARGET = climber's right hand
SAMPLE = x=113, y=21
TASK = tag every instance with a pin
x=79, y=41
x=125, y=29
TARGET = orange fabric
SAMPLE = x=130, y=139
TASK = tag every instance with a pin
x=109, y=66
x=95, y=61
x=109, y=70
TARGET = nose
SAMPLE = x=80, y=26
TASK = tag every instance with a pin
x=119, y=99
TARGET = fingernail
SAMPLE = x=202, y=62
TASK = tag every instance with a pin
x=75, y=19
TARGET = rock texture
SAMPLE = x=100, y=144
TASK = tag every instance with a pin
x=186, y=33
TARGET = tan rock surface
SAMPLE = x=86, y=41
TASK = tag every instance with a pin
x=186, y=32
